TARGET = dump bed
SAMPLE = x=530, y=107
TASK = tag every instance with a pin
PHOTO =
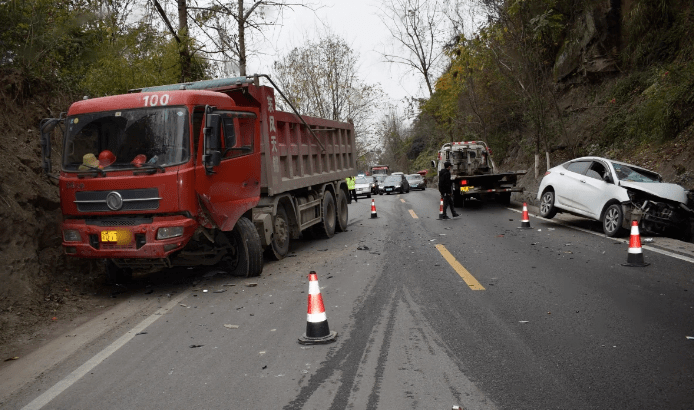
x=293, y=157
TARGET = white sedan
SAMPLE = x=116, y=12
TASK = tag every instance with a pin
x=616, y=193
x=363, y=186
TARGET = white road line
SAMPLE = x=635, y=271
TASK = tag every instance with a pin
x=649, y=248
x=73, y=377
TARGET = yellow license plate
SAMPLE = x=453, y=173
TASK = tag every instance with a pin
x=466, y=188
x=119, y=237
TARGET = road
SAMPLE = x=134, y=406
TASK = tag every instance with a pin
x=471, y=311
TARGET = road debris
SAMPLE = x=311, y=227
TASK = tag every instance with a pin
x=149, y=292
x=9, y=359
x=184, y=305
x=363, y=248
x=688, y=337
x=195, y=346
x=251, y=284
x=229, y=284
x=220, y=291
x=231, y=326
x=141, y=333
x=523, y=321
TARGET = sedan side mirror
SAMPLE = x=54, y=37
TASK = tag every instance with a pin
x=608, y=178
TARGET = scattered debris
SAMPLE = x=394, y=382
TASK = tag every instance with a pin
x=9, y=359
x=231, y=326
x=688, y=337
x=323, y=250
x=261, y=352
x=209, y=274
x=141, y=333
x=220, y=291
x=442, y=234
x=363, y=248
x=647, y=239
x=184, y=305
x=195, y=346
x=251, y=284
x=375, y=253
x=523, y=321
x=229, y=284
x=204, y=291
x=550, y=229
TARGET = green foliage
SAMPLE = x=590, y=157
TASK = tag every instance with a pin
x=653, y=105
x=136, y=58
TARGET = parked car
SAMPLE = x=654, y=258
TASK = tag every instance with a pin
x=615, y=193
x=363, y=186
x=380, y=179
x=416, y=181
x=396, y=183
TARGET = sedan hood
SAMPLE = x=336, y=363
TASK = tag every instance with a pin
x=672, y=192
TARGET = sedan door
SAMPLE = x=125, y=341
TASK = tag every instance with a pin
x=571, y=186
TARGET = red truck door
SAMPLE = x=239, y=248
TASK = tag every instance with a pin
x=234, y=187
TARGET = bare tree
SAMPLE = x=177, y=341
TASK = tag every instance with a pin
x=417, y=29
x=230, y=25
x=321, y=79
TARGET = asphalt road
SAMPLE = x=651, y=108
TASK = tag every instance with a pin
x=471, y=311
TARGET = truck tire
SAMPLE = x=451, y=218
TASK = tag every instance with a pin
x=326, y=228
x=279, y=246
x=342, y=212
x=117, y=275
x=504, y=198
x=246, y=256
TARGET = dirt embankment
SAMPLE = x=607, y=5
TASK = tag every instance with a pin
x=39, y=287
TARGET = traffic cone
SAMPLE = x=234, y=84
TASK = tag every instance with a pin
x=441, y=209
x=525, y=222
x=317, y=330
x=635, y=257
x=373, y=209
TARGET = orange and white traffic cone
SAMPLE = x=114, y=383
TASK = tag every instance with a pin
x=441, y=209
x=373, y=209
x=525, y=222
x=635, y=257
x=317, y=330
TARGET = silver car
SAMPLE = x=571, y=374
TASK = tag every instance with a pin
x=615, y=193
x=362, y=186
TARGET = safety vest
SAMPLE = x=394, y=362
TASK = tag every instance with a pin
x=351, y=183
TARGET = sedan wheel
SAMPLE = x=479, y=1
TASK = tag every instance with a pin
x=612, y=220
x=547, y=209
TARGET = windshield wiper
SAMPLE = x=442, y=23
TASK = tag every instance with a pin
x=151, y=168
x=97, y=169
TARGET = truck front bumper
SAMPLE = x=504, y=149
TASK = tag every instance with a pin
x=119, y=238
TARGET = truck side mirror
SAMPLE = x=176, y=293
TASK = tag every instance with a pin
x=212, y=156
x=47, y=126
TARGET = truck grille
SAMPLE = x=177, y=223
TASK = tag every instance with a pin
x=133, y=200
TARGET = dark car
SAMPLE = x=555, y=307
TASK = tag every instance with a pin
x=379, y=183
x=416, y=181
x=396, y=183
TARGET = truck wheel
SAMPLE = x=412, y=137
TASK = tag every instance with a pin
x=279, y=247
x=504, y=198
x=116, y=274
x=326, y=228
x=612, y=220
x=342, y=212
x=547, y=209
x=245, y=256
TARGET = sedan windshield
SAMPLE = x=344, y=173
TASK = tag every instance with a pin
x=124, y=139
x=361, y=180
x=415, y=178
x=394, y=179
x=627, y=173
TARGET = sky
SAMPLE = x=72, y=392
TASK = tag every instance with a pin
x=358, y=23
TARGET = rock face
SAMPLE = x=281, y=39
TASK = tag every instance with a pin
x=592, y=45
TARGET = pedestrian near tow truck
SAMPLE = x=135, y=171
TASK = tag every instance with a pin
x=445, y=184
x=352, y=186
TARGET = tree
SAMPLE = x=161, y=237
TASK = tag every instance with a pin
x=321, y=79
x=231, y=38
x=417, y=28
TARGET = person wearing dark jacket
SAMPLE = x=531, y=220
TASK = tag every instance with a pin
x=445, y=184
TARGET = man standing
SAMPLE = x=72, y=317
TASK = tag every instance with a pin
x=445, y=184
x=352, y=186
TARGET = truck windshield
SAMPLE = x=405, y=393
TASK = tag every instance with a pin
x=126, y=139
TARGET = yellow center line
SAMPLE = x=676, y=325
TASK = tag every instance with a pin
x=467, y=276
x=402, y=200
x=414, y=215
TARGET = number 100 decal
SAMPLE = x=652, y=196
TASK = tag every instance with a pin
x=155, y=99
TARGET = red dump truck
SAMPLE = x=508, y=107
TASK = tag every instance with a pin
x=202, y=173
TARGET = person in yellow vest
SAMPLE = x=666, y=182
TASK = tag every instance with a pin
x=352, y=186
